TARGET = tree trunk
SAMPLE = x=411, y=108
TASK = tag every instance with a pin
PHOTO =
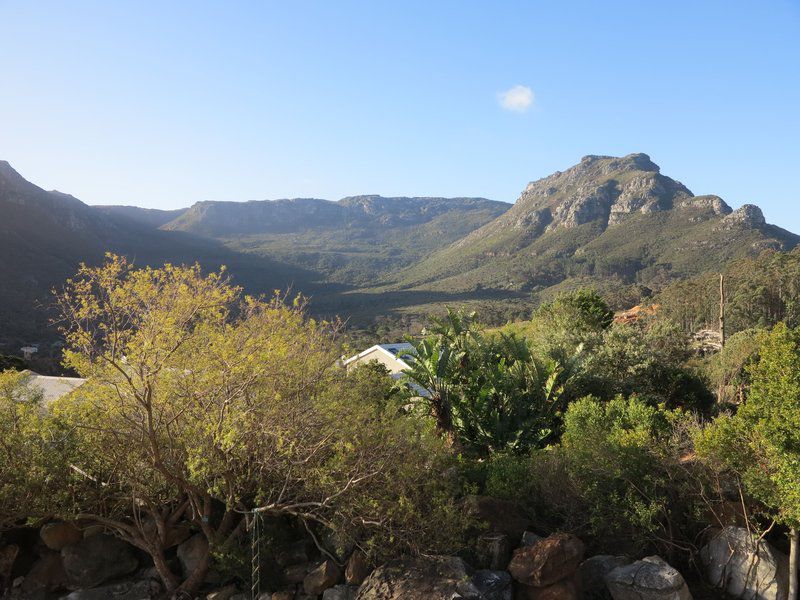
x=192, y=583
x=794, y=550
x=168, y=578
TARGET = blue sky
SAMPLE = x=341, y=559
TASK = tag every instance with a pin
x=164, y=104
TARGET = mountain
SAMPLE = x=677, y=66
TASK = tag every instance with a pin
x=353, y=241
x=44, y=236
x=608, y=222
x=151, y=217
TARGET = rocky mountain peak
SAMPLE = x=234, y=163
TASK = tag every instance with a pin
x=747, y=216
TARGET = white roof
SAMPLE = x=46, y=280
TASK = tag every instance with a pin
x=54, y=388
x=392, y=350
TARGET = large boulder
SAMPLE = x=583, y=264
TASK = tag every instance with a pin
x=127, y=590
x=548, y=561
x=592, y=575
x=499, y=515
x=493, y=551
x=745, y=567
x=493, y=585
x=420, y=578
x=8, y=555
x=192, y=552
x=648, y=579
x=566, y=589
x=46, y=575
x=357, y=568
x=58, y=534
x=340, y=592
x=97, y=559
x=319, y=579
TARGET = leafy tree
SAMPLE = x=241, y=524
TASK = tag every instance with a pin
x=203, y=406
x=761, y=442
x=31, y=461
x=648, y=359
x=615, y=455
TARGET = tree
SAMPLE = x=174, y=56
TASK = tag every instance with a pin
x=203, y=406
x=617, y=454
x=32, y=450
x=761, y=442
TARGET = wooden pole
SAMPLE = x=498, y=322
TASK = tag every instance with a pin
x=722, y=309
x=794, y=542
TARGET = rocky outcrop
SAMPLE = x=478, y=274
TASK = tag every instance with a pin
x=325, y=575
x=192, y=552
x=97, y=559
x=748, y=216
x=58, y=534
x=548, y=561
x=745, y=567
x=357, y=569
x=592, y=575
x=648, y=579
x=420, y=578
x=127, y=590
x=493, y=585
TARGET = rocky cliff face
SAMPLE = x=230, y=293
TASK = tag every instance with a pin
x=604, y=189
x=606, y=218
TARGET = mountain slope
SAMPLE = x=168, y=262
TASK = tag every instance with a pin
x=604, y=220
x=151, y=217
x=44, y=236
x=353, y=241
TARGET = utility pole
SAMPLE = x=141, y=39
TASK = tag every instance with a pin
x=722, y=309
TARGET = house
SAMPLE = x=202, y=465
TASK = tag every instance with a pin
x=386, y=354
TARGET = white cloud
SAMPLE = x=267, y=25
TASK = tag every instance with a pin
x=519, y=98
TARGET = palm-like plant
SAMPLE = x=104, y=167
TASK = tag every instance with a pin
x=486, y=393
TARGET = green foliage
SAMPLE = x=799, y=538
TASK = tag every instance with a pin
x=611, y=451
x=203, y=404
x=33, y=453
x=648, y=359
x=489, y=392
x=760, y=444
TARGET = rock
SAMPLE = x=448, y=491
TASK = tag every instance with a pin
x=499, y=515
x=326, y=575
x=548, y=561
x=745, y=569
x=226, y=593
x=493, y=585
x=8, y=554
x=296, y=573
x=293, y=554
x=192, y=552
x=46, y=575
x=59, y=534
x=97, y=559
x=592, y=575
x=648, y=579
x=420, y=578
x=747, y=216
x=566, y=589
x=126, y=590
x=493, y=551
x=283, y=595
x=93, y=530
x=357, y=568
x=529, y=539
x=340, y=592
